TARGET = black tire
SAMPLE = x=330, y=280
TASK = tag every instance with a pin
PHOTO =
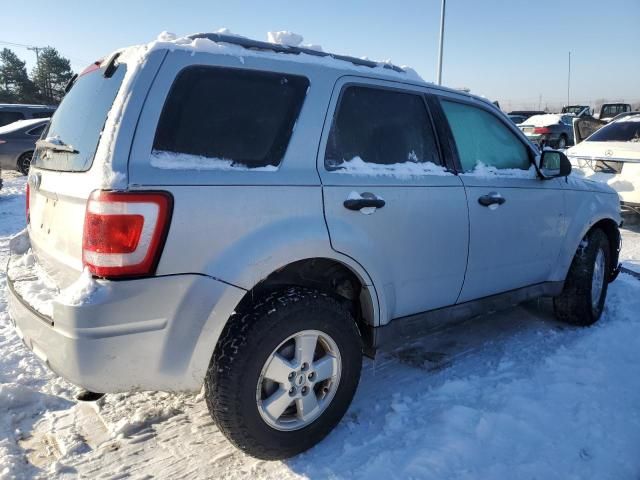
x=574, y=305
x=248, y=339
x=24, y=162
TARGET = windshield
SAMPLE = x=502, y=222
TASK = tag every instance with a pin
x=575, y=109
x=627, y=131
x=78, y=122
x=613, y=110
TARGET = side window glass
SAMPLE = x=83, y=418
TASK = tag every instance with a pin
x=218, y=118
x=482, y=139
x=9, y=117
x=381, y=131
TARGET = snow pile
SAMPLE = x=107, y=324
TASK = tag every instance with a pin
x=32, y=283
x=183, y=161
x=285, y=38
x=482, y=170
x=542, y=120
x=80, y=292
x=405, y=170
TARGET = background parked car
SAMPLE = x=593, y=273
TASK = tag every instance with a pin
x=527, y=113
x=518, y=119
x=10, y=113
x=551, y=129
x=17, y=142
x=610, y=110
x=577, y=110
x=612, y=155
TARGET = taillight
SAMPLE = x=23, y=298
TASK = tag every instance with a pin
x=26, y=202
x=541, y=130
x=124, y=232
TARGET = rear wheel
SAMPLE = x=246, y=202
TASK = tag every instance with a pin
x=585, y=290
x=284, y=372
x=24, y=162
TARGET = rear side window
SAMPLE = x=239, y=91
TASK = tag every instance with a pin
x=239, y=118
x=379, y=126
x=9, y=117
x=44, y=114
x=36, y=132
x=481, y=138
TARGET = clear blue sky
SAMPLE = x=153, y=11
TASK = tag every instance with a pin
x=511, y=50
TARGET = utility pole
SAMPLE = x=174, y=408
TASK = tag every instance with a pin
x=37, y=50
x=569, y=80
x=444, y=3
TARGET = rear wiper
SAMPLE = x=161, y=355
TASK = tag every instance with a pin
x=55, y=144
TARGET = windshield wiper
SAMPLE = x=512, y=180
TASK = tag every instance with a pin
x=55, y=144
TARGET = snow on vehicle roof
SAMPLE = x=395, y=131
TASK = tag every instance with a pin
x=543, y=120
x=635, y=117
x=224, y=42
x=11, y=127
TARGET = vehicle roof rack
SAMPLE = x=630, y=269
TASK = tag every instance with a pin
x=275, y=47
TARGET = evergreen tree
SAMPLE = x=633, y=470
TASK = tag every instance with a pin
x=15, y=85
x=51, y=74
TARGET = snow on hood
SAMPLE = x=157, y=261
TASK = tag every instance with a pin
x=543, y=120
x=624, y=150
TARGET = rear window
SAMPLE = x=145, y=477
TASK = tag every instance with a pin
x=619, y=131
x=79, y=120
x=613, y=110
x=242, y=117
x=9, y=117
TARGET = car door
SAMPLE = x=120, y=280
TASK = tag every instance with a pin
x=389, y=202
x=516, y=219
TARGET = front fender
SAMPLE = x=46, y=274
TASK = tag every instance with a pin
x=584, y=209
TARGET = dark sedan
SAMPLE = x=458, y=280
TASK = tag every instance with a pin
x=17, y=142
x=551, y=130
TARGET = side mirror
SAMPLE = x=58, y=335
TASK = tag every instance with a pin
x=554, y=164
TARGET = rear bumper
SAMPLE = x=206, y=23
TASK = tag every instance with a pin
x=148, y=334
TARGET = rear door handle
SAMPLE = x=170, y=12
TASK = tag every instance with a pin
x=366, y=200
x=493, y=198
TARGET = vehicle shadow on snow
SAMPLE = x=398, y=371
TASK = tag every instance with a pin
x=471, y=348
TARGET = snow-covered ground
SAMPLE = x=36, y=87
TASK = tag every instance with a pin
x=507, y=396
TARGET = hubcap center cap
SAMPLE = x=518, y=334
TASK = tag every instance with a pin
x=301, y=379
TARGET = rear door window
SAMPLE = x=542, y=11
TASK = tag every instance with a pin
x=216, y=117
x=482, y=139
x=380, y=127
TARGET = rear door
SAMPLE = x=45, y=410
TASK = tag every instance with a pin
x=516, y=219
x=390, y=203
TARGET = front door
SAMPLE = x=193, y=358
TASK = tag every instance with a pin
x=515, y=218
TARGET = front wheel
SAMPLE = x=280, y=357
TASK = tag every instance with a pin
x=585, y=290
x=284, y=372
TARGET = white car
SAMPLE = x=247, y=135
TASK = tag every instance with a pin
x=612, y=155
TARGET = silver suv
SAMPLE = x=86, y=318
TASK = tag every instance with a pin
x=254, y=218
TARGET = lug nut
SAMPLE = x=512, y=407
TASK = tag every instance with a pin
x=304, y=390
x=311, y=376
x=292, y=375
x=292, y=391
x=305, y=366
